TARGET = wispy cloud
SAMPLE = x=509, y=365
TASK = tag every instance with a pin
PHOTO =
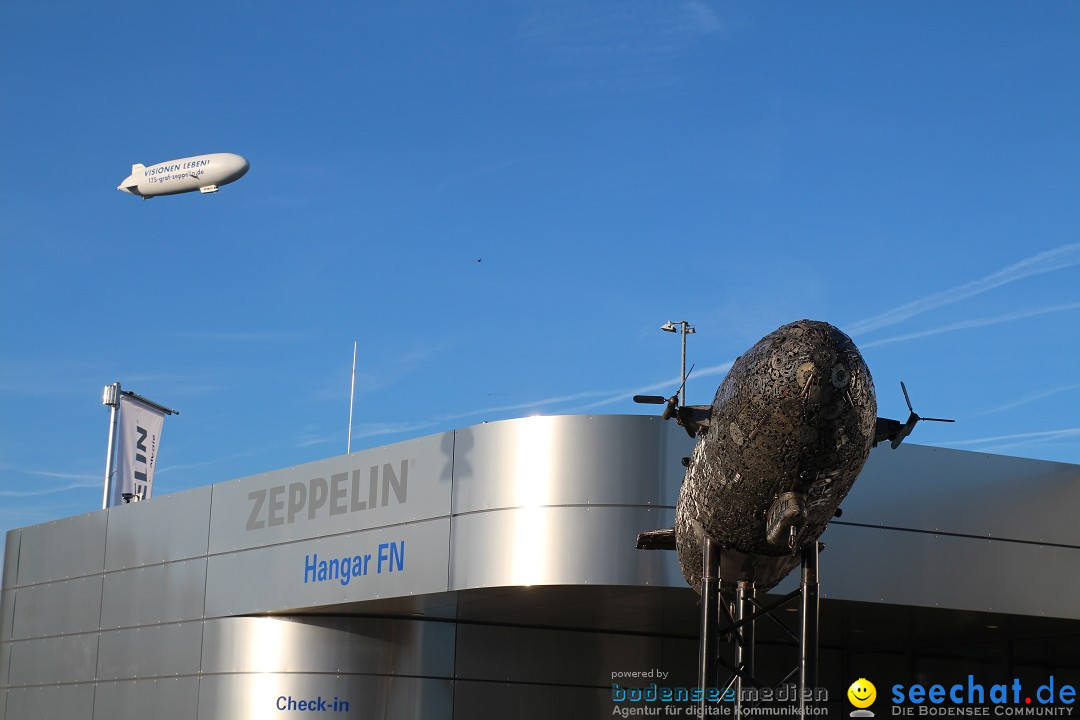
x=85, y=477
x=191, y=466
x=968, y=324
x=1044, y=262
x=533, y=404
x=311, y=439
x=1004, y=442
x=623, y=45
x=1034, y=397
x=242, y=336
x=668, y=385
x=376, y=429
x=369, y=379
x=50, y=489
x=606, y=397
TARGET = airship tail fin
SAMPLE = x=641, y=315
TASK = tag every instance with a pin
x=137, y=167
x=656, y=539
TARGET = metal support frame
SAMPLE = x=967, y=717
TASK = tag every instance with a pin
x=744, y=638
x=708, y=648
x=740, y=626
x=808, y=637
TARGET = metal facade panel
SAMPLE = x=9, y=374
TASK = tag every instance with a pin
x=7, y=614
x=398, y=483
x=157, y=594
x=5, y=664
x=62, y=549
x=57, y=702
x=559, y=546
x=58, y=608
x=930, y=570
x=339, y=644
x=171, y=527
x=151, y=651
x=489, y=652
x=47, y=661
x=160, y=699
x=409, y=559
x=379, y=697
x=929, y=488
x=486, y=700
x=11, y=558
x=569, y=460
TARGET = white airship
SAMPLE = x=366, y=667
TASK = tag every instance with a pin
x=204, y=173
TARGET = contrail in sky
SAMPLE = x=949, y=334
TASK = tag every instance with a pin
x=1028, y=399
x=375, y=429
x=1018, y=439
x=1048, y=261
x=967, y=324
x=621, y=395
x=607, y=398
x=47, y=490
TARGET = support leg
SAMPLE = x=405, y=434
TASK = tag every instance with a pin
x=708, y=649
x=808, y=637
x=744, y=648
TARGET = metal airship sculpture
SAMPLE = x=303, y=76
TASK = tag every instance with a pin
x=783, y=442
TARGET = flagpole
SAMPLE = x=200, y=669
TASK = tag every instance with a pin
x=110, y=397
x=352, y=394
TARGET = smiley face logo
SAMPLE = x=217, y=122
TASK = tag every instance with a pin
x=862, y=693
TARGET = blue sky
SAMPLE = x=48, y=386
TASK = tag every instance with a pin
x=503, y=201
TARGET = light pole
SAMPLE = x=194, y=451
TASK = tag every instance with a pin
x=685, y=328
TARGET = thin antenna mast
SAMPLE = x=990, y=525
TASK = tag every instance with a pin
x=352, y=394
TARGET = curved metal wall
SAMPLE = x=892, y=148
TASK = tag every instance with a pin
x=420, y=555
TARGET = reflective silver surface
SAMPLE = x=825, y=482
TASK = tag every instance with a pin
x=150, y=651
x=366, y=489
x=160, y=593
x=69, y=702
x=61, y=549
x=530, y=702
x=11, y=558
x=929, y=488
x=545, y=545
x=160, y=699
x=372, y=646
x=492, y=652
x=7, y=614
x=59, y=659
x=569, y=460
x=5, y=664
x=254, y=697
x=931, y=570
x=533, y=579
x=169, y=527
x=59, y=608
x=273, y=578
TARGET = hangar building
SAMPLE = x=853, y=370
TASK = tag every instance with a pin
x=491, y=572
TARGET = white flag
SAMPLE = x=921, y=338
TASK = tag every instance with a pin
x=136, y=449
